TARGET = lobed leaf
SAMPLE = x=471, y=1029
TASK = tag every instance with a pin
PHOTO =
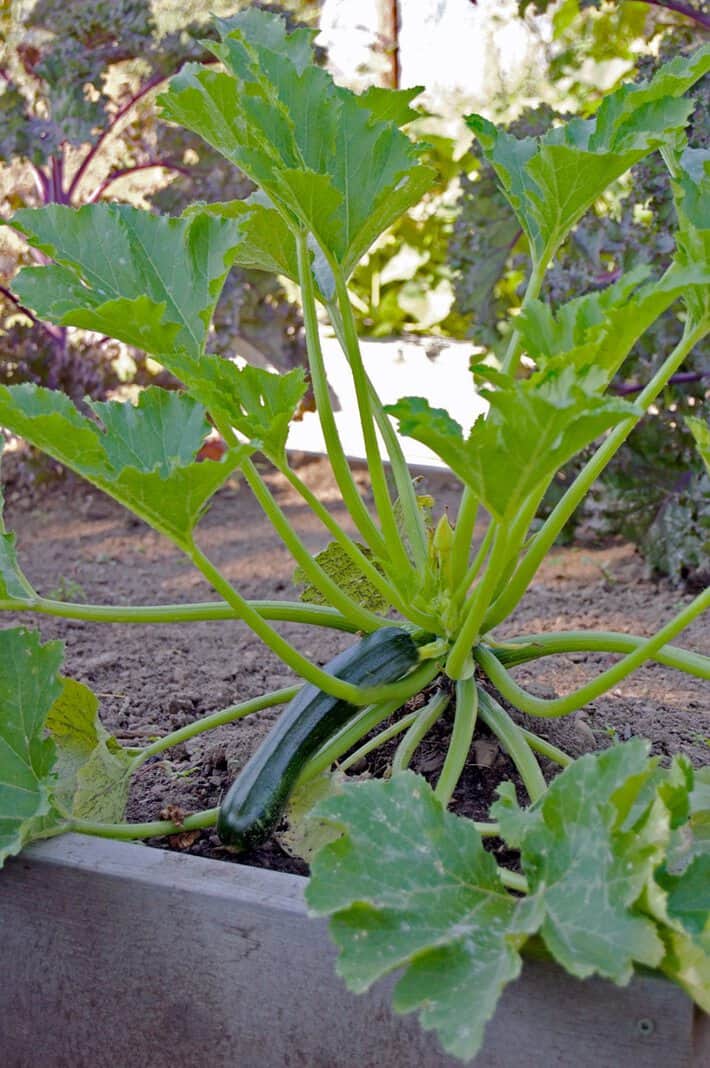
x=552, y=181
x=329, y=160
x=92, y=770
x=13, y=584
x=29, y=685
x=532, y=429
x=585, y=868
x=143, y=458
x=410, y=885
x=148, y=280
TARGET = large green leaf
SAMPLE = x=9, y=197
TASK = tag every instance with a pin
x=329, y=160
x=259, y=404
x=29, y=685
x=552, y=181
x=93, y=771
x=692, y=197
x=13, y=584
x=145, y=279
x=599, y=329
x=410, y=885
x=143, y=458
x=586, y=867
x=531, y=430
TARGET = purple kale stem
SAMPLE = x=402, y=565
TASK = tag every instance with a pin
x=146, y=88
x=682, y=9
x=166, y=164
x=25, y=311
x=679, y=379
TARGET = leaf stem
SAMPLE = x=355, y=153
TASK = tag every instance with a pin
x=356, y=695
x=383, y=502
x=214, y=719
x=461, y=738
x=334, y=448
x=468, y=634
x=280, y=611
x=369, y=571
x=422, y=723
x=154, y=829
x=533, y=646
x=512, y=355
x=562, y=706
x=362, y=618
x=515, y=743
x=463, y=535
x=379, y=739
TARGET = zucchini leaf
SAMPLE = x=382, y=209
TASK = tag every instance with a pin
x=92, y=770
x=143, y=458
x=145, y=279
x=410, y=885
x=29, y=685
x=259, y=404
x=329, y=160
x=532, y=429
x=551, y=181
x=57, y=761
x=13, y=584
x=586, y=866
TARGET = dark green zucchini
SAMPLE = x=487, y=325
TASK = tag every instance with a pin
x=256, y=799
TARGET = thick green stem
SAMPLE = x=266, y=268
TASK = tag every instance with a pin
x=412, y=518
x=461, y=738
x=369, y=571
x=463, y=536
x=336, y=455
x=546, y=749
x=545, y=538
x=534, y=646
x=459, y=657
x=514, y=742
x=562, y=706
x=279, y=611
x=383, y=502
x=477, y=562
x=155, y=829
x=296, y=661
x=380, y=739
x=512, y=356
x=215, y=719
x=361, y=617
x=422, y=723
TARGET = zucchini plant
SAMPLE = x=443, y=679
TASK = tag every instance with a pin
x=613, y=851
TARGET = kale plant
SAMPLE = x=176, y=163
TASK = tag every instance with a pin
x=77, y=83
x=613, y=852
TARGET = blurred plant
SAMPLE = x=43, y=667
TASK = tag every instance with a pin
x=77, y=83
x=405, y=283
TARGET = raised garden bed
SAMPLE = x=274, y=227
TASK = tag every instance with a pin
x=114, y=954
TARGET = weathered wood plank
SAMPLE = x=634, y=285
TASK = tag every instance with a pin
x=116, y=955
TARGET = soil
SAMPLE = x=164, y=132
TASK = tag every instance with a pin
x=76, y=544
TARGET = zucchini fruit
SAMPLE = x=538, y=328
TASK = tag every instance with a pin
x=257, y=797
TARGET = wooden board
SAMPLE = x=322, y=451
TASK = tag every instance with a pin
x=119, y=956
